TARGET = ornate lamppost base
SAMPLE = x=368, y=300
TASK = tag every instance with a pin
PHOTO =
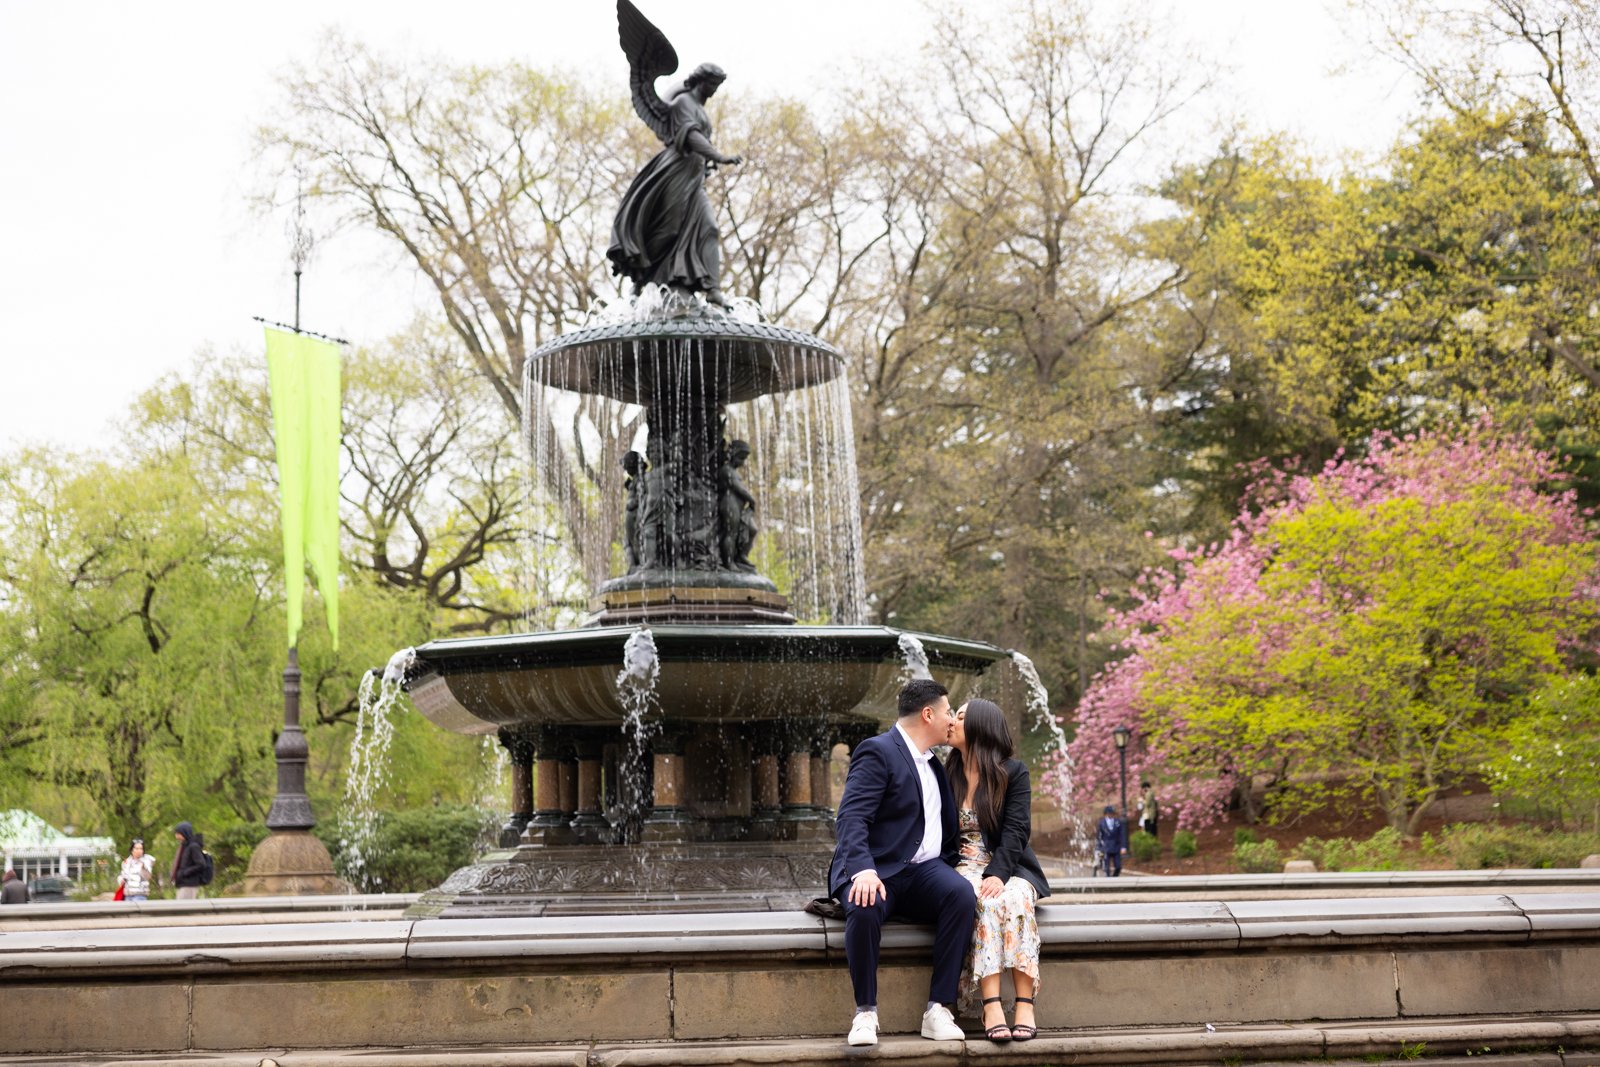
x=292, y=863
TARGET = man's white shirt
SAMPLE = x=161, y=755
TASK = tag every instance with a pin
x=932, y=821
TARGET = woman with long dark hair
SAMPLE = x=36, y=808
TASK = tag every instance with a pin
x=993, y=794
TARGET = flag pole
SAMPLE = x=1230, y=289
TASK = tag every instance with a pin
x=291, y=861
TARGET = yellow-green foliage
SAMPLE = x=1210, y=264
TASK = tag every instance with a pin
x=1483, y=846
x=1551, y=753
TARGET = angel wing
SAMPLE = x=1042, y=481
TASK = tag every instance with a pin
x=650, y=55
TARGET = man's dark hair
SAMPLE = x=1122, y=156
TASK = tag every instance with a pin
x=1144, y=785
x=918, y=694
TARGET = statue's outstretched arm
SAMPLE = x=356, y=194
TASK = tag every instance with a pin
x=696, y=142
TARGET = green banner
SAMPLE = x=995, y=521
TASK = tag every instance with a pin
x=305, y=424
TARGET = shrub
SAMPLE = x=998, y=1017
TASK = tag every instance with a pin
x=232, y=848
x=1380, y=852
x=1184, y=844
x=1257, y=857
x=1244, y=835
x=1144, y=847
x=1480, y=846
x=412, y=851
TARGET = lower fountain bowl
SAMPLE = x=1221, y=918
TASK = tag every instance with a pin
x=708, y=673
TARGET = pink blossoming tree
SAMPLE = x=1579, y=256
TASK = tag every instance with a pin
x=1364, y=636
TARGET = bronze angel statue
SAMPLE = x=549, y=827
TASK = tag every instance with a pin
x=664, y=231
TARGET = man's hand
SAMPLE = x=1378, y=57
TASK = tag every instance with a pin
x=991, y=887
x=866, y=889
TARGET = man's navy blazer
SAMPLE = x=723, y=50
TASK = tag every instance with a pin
x=879, y=823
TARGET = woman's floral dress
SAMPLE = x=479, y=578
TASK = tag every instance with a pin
x=1006, y=936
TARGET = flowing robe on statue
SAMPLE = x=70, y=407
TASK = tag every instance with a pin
x=664, y=231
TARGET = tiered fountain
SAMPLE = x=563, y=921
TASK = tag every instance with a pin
x=675, y=752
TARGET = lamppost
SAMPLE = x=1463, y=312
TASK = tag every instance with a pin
x=1120, y=736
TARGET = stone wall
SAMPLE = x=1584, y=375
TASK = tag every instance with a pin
x=673, y=977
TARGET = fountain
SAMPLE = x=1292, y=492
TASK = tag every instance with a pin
x=673, y=753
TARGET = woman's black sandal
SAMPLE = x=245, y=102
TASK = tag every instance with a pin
x=999, y=1032
x=1022, y=1032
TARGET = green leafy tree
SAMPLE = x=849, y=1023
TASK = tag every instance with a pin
x=1551, y=754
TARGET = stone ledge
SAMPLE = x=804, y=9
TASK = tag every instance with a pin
x=1517, y=1041
x=1067, y=930
x=1133, y=882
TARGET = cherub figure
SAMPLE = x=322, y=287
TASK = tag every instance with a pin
x=633, y=487
x=738, y=511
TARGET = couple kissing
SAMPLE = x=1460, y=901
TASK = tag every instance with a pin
x=944, y=844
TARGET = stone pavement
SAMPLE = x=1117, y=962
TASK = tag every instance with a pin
x=1508, y=1041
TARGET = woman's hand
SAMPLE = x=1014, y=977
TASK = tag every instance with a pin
x=991, y=887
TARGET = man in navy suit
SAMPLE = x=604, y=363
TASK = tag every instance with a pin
x=1111, y=839
x=898, y=844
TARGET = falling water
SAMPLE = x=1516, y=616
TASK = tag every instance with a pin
x=369, y=765
x=914, y=659
x=494, y=767
x=636, y=683
x=584, y=410
x=1079, y=849
x=1039, y=705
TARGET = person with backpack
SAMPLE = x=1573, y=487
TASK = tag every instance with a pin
x=190, y=868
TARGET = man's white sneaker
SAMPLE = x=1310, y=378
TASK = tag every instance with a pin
x=864, y=1031
x=937, y=1024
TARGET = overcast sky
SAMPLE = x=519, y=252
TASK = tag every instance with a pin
x=125, y=153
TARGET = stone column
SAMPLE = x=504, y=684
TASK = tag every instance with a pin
x=668, y=820
x=741, y=774
x=589, y=823
x=822, y=772
x=549, y=823
x=519, y=745
x=766, y=800
x=800, y=820
x=569, y=780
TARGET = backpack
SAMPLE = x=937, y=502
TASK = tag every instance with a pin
x=208, y=868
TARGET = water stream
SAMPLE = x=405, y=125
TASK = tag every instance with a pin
x=914, y=659
x=369, y=766
x=636, y=683
x=1079, y=848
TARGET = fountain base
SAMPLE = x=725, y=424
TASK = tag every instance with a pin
x=630, y=879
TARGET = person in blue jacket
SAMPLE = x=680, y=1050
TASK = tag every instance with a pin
x=1111, y=841
x=897, y=846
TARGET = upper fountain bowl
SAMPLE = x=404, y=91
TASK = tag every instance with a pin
x=641, y=360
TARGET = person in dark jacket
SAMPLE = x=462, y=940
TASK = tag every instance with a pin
x=1111, y=840
x=15, y=890
x=895, y=856
x=994, y=797
x=189, y=864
